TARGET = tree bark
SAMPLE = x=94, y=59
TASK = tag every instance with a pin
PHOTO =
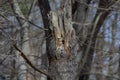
x=63, y=48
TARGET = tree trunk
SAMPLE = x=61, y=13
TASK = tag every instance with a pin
x=24, y=37
x=63, y=49
x=62, y=45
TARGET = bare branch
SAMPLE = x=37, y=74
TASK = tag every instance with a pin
x=29, y=63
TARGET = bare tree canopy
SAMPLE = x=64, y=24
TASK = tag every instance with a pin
x=59, y=40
